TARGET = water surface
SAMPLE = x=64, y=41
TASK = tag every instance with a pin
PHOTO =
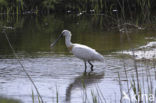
x=57, y=70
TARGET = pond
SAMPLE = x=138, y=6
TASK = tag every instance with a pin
x=59, y=75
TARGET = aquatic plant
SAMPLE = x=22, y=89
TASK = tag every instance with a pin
x=8, y=100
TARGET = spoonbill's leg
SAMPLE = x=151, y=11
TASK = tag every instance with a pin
x=85, y=66
x=91, y=65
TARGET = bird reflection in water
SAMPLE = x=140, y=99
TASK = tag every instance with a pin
x=85, y=79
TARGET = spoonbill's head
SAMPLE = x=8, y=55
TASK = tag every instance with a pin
x=65, y=33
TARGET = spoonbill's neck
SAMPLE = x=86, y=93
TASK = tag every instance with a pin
x=68, y=41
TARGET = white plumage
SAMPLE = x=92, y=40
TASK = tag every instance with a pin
x=86, y=53
x=83, y=52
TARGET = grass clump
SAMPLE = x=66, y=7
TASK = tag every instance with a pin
x=8, y=100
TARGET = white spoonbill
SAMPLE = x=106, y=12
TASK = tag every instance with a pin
x=83, y=52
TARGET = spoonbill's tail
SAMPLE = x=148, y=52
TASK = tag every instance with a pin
x=99, y=57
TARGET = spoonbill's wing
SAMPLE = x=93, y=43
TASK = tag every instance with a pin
x=86, y=53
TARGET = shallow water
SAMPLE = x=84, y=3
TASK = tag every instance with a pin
x=59, y=71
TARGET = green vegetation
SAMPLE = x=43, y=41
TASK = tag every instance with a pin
x=100, y=6
x=7, y=100
x=119, y=13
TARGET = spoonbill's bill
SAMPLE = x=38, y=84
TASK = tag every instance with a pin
x=83, y=52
